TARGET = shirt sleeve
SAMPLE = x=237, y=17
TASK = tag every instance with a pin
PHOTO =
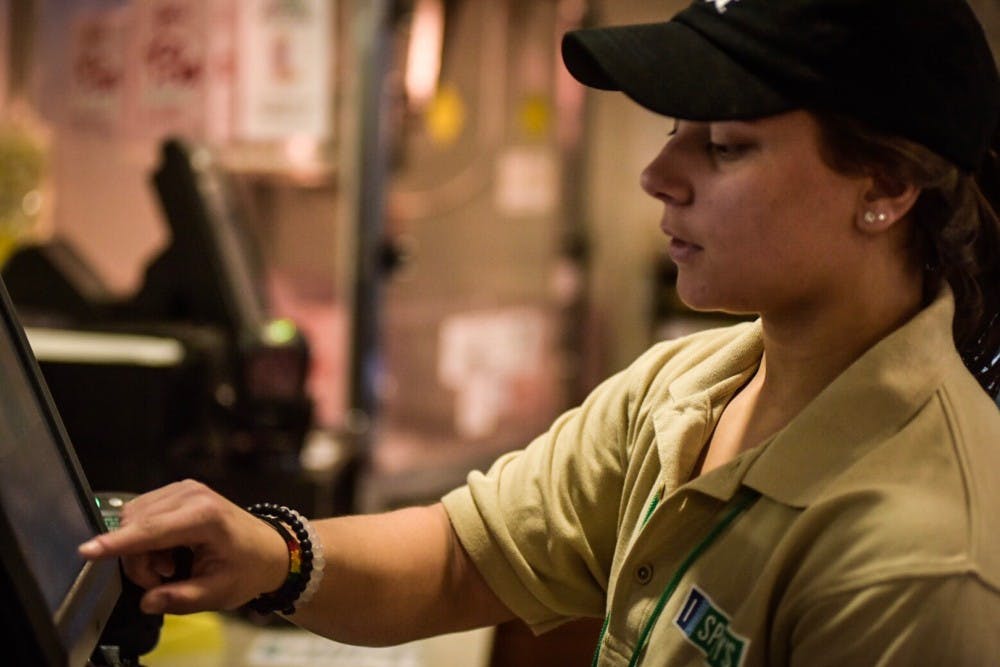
x=951, y=620
x=541, y=525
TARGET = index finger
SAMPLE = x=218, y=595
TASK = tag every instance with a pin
x=156, y=533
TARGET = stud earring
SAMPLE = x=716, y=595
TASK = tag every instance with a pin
x=871, y=217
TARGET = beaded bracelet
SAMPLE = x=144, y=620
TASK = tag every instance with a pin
x=318, y=561
x=305, y=559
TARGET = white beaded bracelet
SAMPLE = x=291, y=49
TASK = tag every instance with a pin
x=318, y=563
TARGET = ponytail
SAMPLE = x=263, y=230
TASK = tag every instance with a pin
x=956, y=229
x=979, y=344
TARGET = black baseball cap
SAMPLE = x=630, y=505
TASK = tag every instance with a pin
x=919, y=69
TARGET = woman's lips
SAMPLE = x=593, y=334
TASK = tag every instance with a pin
x=681, y=251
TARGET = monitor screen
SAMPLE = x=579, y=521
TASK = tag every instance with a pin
x=36, y=490
x=46, y=511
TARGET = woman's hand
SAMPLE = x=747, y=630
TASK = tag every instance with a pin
x=236, y=555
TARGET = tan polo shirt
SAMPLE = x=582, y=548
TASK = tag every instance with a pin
x=866, y=532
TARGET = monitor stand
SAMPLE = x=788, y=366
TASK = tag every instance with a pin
x=129, y=633
x=111, y=656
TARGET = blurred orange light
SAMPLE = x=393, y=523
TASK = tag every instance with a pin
x=423, y=61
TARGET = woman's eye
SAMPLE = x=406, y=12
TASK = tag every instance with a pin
x=726, y=151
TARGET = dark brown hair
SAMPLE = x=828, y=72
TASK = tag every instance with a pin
x=956, y=231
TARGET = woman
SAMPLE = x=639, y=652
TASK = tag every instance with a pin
x=818, y=487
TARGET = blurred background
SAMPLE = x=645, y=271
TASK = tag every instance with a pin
x=331, y=253
x=395, y=237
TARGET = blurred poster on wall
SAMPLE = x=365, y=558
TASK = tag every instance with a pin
x=97, y=57
x=171, y=60
x=221, y=62
x=283, y=69
x=141, y=69
x=4, y=51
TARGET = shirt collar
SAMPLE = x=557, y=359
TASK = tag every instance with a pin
x=695, y=400
x=872, y=399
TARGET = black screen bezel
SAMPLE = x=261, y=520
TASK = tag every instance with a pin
x=69, y=636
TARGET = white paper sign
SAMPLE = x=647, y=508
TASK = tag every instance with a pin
x=284, y=66
x=481, y=355
x=287, y=649
x=527, y=181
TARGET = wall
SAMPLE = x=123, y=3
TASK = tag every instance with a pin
x=623, y=220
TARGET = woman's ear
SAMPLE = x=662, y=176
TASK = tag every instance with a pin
x=886, y=202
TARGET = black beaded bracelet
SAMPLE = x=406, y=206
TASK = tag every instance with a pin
x=299, y=538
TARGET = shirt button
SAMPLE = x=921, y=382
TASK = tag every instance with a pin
x=644, y=573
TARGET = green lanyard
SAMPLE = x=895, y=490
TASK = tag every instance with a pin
x=746, y=499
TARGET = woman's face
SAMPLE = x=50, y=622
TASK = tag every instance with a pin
x=758, y=223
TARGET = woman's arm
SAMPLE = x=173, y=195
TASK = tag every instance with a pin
x=395, y=577
x=389, y=578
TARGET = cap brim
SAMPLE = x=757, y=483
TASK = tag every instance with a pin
x=671, y=69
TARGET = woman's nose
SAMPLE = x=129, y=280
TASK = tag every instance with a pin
x=663, y=179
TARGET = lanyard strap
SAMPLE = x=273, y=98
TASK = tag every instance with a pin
x=745, y=500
